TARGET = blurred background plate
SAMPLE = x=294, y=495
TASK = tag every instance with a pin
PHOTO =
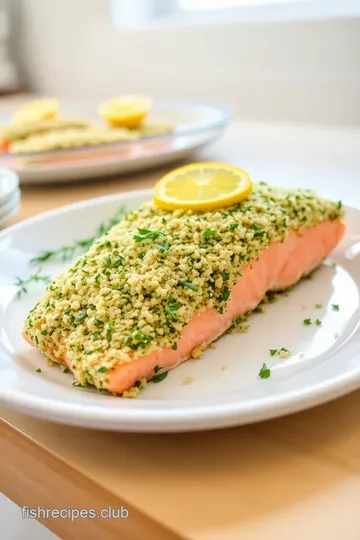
x=11, y=204
x=9, y=183
x=195, y=125
x=10, y=210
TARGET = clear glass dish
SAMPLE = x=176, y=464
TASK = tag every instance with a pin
x=194, y=125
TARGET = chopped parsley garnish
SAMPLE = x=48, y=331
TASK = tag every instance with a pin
x=22, y=284
x=110, y=330
x=68, y=252
x=335, y=307
x=283, y=353
x=98, y=323
x=103, y=369
x=318, y=306
x=225, y=293
x=172, y=306
x=80, y=318
x=264, y=372
x=225, y=276
x=209, y=232
x=137, y=340
x=188, y=285
x=160, y=377
x=108, y=262
x=174, y=346
x=38, y=370
x=307, y=321
x=233, y=226
x=318, y=322
x=118, y=262
x=146, y=234
x=272, y=297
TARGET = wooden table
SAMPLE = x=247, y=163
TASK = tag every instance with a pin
x=294, y=478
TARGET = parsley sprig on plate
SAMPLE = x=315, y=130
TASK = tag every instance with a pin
x=22, y=284
x=66, y=253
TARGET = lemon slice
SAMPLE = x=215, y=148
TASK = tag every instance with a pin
x=36, y=111
x=202, y=186
x=125, y=111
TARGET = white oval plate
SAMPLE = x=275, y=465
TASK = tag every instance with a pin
x=195, y=125
x=226, y=389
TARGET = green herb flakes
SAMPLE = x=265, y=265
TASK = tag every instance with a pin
x=160, y=377
x=80, y=317
x=209, y=232
x=188, y=285
x=171, y=307
x=146, y=234
x=102, y=369
x=264, y=372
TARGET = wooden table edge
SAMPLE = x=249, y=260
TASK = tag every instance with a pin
x=20, y=452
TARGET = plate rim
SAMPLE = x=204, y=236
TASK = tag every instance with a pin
x=200, y=417
x=12, y=178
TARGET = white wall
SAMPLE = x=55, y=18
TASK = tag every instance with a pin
x=289, y=71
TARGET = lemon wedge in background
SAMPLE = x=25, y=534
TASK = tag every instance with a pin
x=202, y=186
x=125, y=111
x=36, y=111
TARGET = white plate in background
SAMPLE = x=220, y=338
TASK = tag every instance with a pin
x=195, y=125
x=325, y=363
x=11, y=204
x=9, y=183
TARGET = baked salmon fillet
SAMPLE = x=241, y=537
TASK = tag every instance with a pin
x=162, y=285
